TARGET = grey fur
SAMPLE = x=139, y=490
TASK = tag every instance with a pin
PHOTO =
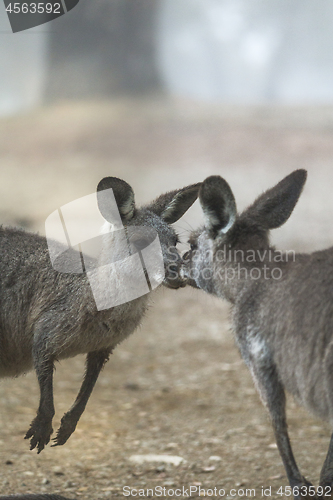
x=282, y=318
x=47, y=316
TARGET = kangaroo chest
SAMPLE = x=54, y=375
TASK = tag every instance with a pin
x=109, y=328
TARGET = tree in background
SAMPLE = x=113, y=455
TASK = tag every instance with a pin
x=103, y=48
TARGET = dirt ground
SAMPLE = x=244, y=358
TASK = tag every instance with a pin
x=178, y=386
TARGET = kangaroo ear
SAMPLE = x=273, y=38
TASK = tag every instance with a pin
x=123, y=194
x=274, y=207
x=172, y=206
x=218, y=204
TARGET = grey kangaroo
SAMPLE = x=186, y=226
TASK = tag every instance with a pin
x=282, y=310
x=47, y=315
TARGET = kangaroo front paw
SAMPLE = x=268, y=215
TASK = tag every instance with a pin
x=66, y=429
x=40, y=432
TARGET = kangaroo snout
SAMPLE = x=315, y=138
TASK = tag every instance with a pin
x=174, y=276
x=185, y=270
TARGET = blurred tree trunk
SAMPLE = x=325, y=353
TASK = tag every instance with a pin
x=103, y=48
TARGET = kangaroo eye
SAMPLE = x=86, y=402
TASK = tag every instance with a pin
x=193, y=247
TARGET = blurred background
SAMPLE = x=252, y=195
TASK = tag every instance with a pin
x=163, y=93
x=249, y=52
x=175, y=89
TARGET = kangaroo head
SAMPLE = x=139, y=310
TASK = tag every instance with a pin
x=142, y=224
x=227, y=238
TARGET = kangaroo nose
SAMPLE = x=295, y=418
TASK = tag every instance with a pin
x=186, y=255
x=173, y=268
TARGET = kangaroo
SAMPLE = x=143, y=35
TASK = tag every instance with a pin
x=282, y=313
x=47, y=315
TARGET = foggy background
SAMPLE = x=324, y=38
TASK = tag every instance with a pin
x=230, y=51
x=163, y=93
x=137, y=69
